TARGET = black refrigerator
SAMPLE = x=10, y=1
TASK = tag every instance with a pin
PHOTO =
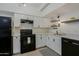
x=5, y=36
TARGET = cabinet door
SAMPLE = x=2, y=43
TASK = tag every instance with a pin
x=39, y=42
x=50, y=42
x=57, y=45
x=44, y=39
x=54, y=43
x=16, y=44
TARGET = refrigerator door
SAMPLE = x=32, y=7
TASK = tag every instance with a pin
x=5, y=36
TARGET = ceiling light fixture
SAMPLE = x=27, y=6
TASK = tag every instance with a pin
x=24, y=4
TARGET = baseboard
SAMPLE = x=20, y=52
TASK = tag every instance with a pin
x=41, y=47
x=15, y=54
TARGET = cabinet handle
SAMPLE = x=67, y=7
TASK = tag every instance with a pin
x=41, y=38
x=48, y=37
x=16, y=37
x=75, y=43
x=66, y=41
x=54, y=40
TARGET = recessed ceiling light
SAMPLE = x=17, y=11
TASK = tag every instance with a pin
x=24, y=4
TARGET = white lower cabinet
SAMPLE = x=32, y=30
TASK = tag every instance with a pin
x=48, y=41
x=44, y=39
x=54, y=43
x=16, y=44
x=39, y=42
x=57, y=45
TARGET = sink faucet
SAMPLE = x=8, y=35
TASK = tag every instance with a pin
x=57, y=33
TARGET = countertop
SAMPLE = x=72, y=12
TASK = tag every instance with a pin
x=71, y=36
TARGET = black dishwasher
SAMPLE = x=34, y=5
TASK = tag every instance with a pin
x=70, y=47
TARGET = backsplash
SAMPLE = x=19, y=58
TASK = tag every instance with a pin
x=70, y=28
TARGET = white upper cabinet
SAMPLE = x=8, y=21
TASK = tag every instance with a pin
x=17, y=19
x=42, y=23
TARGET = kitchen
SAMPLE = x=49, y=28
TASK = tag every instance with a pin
x=50, y=25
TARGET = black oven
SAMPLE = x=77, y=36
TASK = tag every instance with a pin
x=27, y=40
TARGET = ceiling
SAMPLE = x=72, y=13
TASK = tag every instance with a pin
x=67, y=8
x=29, y=8
x=36, y=9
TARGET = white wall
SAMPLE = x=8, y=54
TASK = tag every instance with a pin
x=70, y=28
x=8, y=14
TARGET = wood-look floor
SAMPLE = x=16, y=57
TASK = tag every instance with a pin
x=40, y=52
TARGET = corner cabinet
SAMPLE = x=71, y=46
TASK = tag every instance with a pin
x=51, y=41
x=54, y=43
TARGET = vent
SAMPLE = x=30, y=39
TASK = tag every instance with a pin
x=26, y=21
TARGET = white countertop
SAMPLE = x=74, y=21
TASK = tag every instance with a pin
x=71, y=36
x=74, y=37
